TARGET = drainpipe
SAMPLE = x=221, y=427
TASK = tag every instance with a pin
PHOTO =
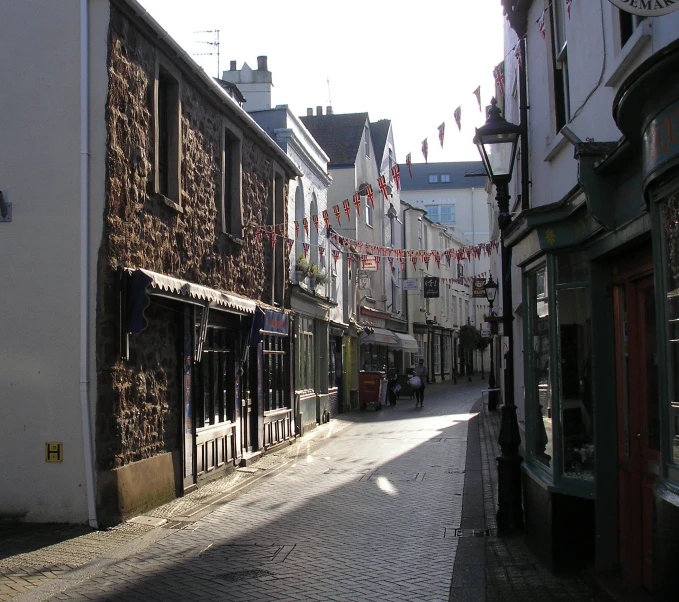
x=523, y=120
x=85, y=264
x=405, y=272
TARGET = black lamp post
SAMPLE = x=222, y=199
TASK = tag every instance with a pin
x=491, y=291
x=497, y=141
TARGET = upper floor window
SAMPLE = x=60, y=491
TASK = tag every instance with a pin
x=443, y=214
x=368, y=212
x=628, y=23
x=562, y=109
x=232, y=176
x=433, y=178
x=366, y=140
x=167, y=109
x=445, y=178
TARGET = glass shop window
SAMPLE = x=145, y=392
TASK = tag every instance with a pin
x=275, y=373
x=670, y=220
x=575, y=374
x=541, y=444
x=575, y=367
x=305, y=354
x=215, y=382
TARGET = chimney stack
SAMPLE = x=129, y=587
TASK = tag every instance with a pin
x=319, y=110
x=309, y=112
x=232, y=67
x=261, y=63
x=328, y=110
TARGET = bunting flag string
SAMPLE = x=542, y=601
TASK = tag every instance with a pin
x=458, y=118
x=357, y=203
x=347, y=208
x=370, y=195
x=442, y=131
x=477, y=93
x=305, y=222
x=382, y=182
x=396, y=174
x=409, y=165
x=541, y=26
x=425, y=150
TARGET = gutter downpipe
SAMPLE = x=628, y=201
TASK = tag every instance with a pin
x=523, y=111
x=85, y=264
x=405, y=272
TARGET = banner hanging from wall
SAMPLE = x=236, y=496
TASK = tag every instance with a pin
x=647, y=8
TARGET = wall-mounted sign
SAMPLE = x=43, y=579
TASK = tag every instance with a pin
x=431, y=287
x=411, y=284
x=647, y=8
x=54, y=451
x=368, y=263
x=363, y=282
x=479, y=290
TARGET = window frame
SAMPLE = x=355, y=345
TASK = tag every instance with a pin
x=433, y=178
x=560, y=97
x=444, y=178
x=167, y=136
x=231, y=187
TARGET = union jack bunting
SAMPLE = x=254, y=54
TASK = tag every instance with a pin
x=357, y=203
x=391, y=262
x=364, y=260
x=477, y=93
x=426, y=260
x=458, y=118
x=305, y=223
x=314, y=217
x=305, y=248
x=499, y=76
x=403, y=263
x=347, y=208
x=541, y=26
x=437, y=258
x=371, y=196
x=326, y=218
x=335, y=255
x=273, y=237
x=517, y=53
x=396, y=174
x=296, y=229
x=425, y=149
x=382, y=182
x=289, y=243
x=336, y=211
x=442, y=131
x=409, y=165
x=281, y=229
x=377, y=260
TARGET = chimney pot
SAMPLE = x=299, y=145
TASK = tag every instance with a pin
x=319, y=110
x=232, y=66
x=261, y=63
x=328, y=110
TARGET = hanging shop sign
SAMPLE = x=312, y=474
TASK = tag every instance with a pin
x=479, y=289
x=647, y=8
x=431, y=287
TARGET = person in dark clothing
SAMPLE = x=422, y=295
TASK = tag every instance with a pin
x=421, y=371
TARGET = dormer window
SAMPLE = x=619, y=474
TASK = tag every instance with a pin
x=433, y=178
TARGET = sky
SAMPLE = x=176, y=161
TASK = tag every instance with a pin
x=413, y=63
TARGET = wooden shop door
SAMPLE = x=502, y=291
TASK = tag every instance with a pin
x=638, y=418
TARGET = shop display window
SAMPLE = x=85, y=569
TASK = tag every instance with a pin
x=540, y=366
x=670, y=222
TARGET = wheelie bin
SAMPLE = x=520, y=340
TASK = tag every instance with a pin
x=372, y=388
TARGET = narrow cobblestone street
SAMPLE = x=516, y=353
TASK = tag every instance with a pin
x=397, y=504
x=370, y=515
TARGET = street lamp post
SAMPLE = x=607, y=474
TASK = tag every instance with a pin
x=497, y=141
x=491, y=291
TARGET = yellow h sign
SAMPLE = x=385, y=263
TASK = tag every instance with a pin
x=54, y=451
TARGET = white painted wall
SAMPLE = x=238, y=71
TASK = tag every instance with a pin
x=40, y=250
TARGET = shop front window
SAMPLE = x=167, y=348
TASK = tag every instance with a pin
x=305, y=351
x=575, y=367
x=437, y=354
x=275, y=373
x=671, y=234
x=542, y=447
x=332, y=364
x=215, y=379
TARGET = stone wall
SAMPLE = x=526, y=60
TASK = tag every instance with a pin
x=139, y=409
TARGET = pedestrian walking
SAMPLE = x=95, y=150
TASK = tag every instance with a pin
x=421, y=371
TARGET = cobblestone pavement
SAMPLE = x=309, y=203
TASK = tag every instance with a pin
x=371, y=506
x=369, y=515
